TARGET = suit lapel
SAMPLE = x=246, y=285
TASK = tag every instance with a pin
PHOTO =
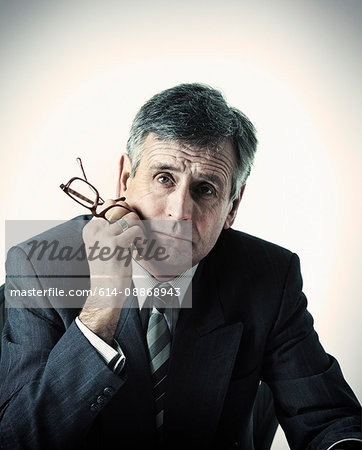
x=202, y=359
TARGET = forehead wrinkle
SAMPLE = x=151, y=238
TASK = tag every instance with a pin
x=170, y=158
x=215, y=168
x=183, y=156
x=165, y=166
x=219, y=161
x=155, y=142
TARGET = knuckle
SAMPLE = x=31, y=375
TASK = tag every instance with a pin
x=106, y=204
x=125, y=206
x=136, y=231
x=114, y=214
x=109, y=202
x=132, y=216
x=88, y=229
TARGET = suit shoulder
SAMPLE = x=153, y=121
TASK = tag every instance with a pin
x=252, y=245
x=66, y=232
x=237, y=252
x=66, y=237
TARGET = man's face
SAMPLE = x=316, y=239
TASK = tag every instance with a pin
x=179, y=184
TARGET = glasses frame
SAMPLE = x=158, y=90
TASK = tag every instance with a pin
x=93, y=204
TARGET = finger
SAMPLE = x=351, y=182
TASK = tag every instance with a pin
x=134, y=235
x=125, y=222
x=107, y=208
x=96, y=223
x=122, y=202
x=105, y=205
x=99, y=226
x=117, y=210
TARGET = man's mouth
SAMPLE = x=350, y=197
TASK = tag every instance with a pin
x=181, y=237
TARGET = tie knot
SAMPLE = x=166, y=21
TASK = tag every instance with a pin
x=163, y=294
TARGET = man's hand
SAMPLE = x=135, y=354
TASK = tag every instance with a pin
x=110, y=266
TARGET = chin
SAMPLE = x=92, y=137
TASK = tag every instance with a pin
x=176, y=263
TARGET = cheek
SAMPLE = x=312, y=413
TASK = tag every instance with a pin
x=150, y=206
x=137, y=190
x=209, y=227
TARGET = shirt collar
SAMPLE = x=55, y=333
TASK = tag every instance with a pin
x=144, y=280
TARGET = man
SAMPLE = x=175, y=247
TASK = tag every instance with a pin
x=138, y=369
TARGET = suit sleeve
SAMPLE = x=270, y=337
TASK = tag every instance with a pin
x=53, y=381
x=315, y=406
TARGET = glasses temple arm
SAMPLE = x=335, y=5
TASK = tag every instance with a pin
x=79, y=161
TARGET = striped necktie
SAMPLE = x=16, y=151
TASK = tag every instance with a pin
x=159, y=344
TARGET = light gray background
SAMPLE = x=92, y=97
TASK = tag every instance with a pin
x=73, y=74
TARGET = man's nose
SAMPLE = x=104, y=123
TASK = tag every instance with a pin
x=180, y=204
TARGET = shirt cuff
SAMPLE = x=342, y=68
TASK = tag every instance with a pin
x=346, y=444
x=113, y=357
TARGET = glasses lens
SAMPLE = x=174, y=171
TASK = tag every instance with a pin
x=82, y=192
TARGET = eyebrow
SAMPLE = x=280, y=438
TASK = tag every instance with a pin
x=165, y=167
x=212, y=178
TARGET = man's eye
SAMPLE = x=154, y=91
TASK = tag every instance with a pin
x=163, y=179
x=206, y=190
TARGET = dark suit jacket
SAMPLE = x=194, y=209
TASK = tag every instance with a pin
x=248, y=323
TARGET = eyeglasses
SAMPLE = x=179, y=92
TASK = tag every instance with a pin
x=84, y=193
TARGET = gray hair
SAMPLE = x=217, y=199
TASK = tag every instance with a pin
x=196, y=115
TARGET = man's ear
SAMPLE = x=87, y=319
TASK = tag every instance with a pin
x=124, y=173
x=234, y=209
